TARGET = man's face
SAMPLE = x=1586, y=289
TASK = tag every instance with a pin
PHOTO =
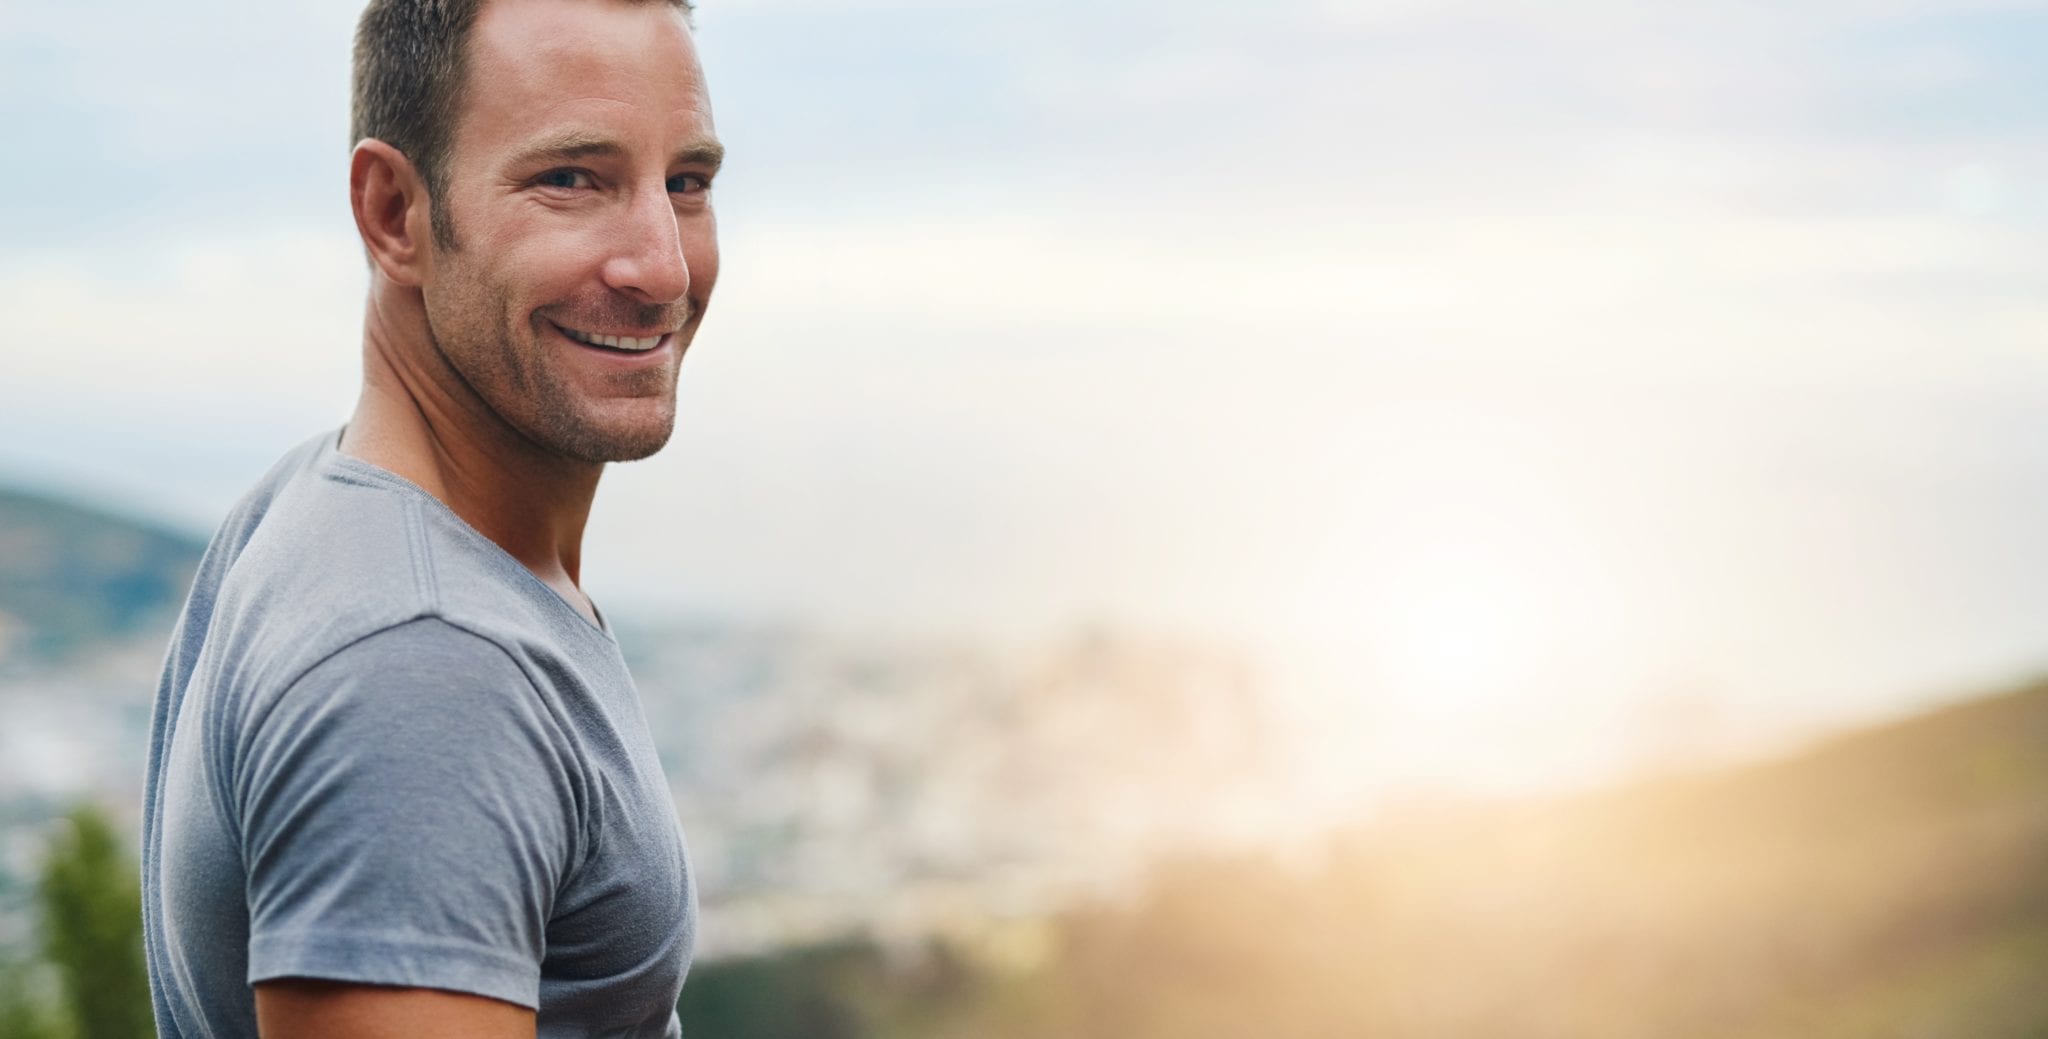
x=578, y=183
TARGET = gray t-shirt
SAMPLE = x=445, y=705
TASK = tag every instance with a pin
x=384, y=752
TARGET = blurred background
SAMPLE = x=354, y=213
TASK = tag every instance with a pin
x=1319, y=518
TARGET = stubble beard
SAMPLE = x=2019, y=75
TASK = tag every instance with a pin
x=504, y=363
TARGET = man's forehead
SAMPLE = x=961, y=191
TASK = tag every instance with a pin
x=542, y=71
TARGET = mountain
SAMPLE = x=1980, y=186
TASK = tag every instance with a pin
x=73, y=577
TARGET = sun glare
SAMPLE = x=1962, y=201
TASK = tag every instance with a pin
x=1460, y=626
x=1464, y=622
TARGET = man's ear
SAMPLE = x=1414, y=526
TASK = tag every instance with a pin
x=390, y=203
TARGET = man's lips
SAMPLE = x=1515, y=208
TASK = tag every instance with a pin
x=632, y=341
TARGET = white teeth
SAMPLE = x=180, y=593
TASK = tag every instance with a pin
x=614, y=342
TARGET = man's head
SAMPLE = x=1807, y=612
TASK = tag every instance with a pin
x=538, y=172
x=411, y=57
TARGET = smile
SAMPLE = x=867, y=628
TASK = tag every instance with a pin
x=630, y=344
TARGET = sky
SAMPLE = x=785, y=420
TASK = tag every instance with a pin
x=1522, y=385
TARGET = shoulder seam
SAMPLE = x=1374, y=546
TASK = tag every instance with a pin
x=584, y=838
x=258, y=721
x=424, y=578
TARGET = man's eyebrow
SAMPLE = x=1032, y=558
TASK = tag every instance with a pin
x=705, y=151
x=578, y=144
x=575, y=144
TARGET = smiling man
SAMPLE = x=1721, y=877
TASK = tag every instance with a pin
x=400, y=782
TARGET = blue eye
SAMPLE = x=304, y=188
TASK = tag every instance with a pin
x=566, y=179
x=689, y=183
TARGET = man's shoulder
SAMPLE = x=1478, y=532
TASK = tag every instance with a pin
x=327, y=550
x=424, y=652
x=248, y=514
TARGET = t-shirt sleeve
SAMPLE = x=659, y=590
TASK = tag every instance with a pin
x=409, y=809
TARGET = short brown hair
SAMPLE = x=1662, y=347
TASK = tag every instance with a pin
x=411, y=62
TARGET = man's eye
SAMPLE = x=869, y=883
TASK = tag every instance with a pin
x=564, y=178
x=689, y=184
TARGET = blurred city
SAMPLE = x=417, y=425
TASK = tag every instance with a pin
x=1330, y=519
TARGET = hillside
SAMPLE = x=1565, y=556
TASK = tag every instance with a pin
x=1893, y=882
x=72, y=576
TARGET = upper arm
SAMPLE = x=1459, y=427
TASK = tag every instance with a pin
x=304, y=1008
x=409, y=809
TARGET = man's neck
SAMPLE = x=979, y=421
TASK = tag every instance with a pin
x=436, y=433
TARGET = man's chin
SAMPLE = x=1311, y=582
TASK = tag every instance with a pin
x=600, y=442
x=635, y=450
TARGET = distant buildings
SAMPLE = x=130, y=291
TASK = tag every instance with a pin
x=825, y=785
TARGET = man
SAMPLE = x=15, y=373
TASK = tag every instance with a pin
x=400, y=782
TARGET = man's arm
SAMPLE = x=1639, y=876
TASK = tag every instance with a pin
x=408, y=811
x=305, y=1008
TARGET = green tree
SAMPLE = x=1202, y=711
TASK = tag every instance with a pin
x=26, y=1012
x=91, y=903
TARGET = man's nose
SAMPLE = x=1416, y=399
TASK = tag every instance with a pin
x=647, y=262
